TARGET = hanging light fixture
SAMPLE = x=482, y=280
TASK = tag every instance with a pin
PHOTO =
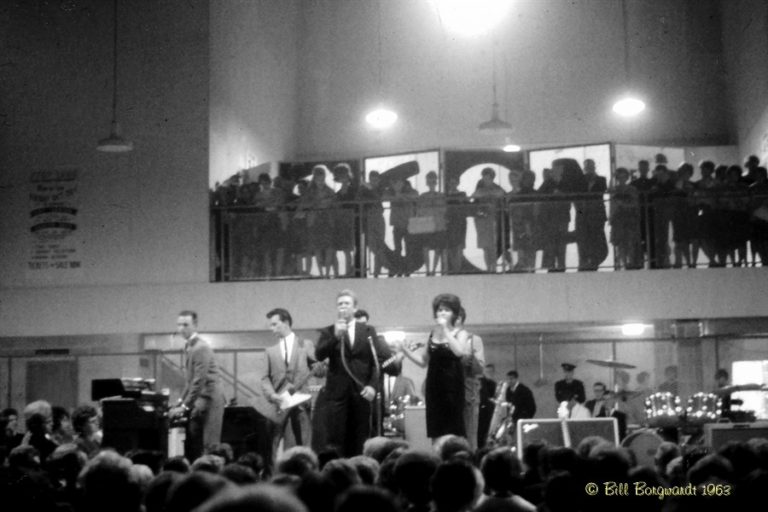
x=380, y=117
x=509, y=147
x=495, y=124
x=115, y=143
x=629, y=104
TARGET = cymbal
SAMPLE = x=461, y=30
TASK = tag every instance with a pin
x=727, y=390
x=611, y=364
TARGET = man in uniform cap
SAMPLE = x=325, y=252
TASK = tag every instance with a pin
x=569, y=386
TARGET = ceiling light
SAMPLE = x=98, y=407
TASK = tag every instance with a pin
x=471, y=17
x=511, y=148
x=115, y=143
x=495, y=124
x=381, y=118
x=629, y=106
x=632, y=329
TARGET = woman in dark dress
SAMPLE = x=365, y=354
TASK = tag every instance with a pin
x=444, y=388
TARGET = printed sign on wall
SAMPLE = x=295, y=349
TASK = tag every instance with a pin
x=53, y=224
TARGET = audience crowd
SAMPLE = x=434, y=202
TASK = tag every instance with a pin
x=659, y=218
x=42, y=471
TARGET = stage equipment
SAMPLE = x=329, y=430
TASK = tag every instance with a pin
x=569, y=433
x=663, y=410
x=703, y=408
x=643, y=443
x=415, y=427
x=718, y=434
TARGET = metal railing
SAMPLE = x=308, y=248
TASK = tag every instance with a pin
x=453, y=234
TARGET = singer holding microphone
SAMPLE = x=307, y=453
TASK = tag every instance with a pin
x=356, y=359
x=442, y=355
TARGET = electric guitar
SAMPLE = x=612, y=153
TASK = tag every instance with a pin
x=290, y=400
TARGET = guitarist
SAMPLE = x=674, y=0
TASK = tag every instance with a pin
x=288, y=370
x=356, y=358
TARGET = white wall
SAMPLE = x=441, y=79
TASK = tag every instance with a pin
x=253, y=67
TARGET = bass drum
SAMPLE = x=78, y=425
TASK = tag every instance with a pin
x=643, y=443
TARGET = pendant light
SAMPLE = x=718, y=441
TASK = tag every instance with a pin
x=629, y=104
x=495, y=124
x=381, y=116
x=115, y=143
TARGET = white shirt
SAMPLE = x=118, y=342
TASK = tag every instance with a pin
x=287, y=343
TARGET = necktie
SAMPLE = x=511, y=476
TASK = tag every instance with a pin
x=285, y=352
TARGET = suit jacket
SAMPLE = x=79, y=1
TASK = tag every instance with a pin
x=563, y=389
x=601, y=413
x=522, y=399
x=202, y=373
x=359, y=359
x=278, y=376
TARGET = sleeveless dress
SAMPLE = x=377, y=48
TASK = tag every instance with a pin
x=444, y=392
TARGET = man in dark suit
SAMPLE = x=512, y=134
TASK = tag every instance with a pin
x=590, y=220
x=597, y=406
x=487, y=394
x=356, y=358
x=521, y=398
x=569, y=386
x=201, y=398
x=288, y=370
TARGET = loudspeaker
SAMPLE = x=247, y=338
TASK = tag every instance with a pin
x=130, y=427
x=718, y=434
x=415, y=427
x=246, y=430
x=569, y=433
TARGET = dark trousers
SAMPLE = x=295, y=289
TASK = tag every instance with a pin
x=349, y=419
x=204, y=428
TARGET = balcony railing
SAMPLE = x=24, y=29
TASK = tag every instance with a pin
x=442, y=235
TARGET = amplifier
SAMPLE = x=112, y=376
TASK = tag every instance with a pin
x=569, y=433
x=718, y=434
x=415, y=427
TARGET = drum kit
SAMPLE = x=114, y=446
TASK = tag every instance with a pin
x=394, y=416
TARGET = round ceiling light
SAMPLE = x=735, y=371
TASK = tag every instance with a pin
x=511, y=148
x=629, y=106
x=381, y=118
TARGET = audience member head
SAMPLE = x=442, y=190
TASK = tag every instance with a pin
x=714, y=469
x=85, y=420
x=589, y=443
x=262, y=498
x=153, y=459
x=66, y=462
x=255, y=462
x=379, y=447
x=108, y=483
x=362, y=316
x=341, y=474
x=367, y=468
x=328, y=454
x=366, y=498
x=665, y=453
x=527, y=180
x=559, y=492
x=412, y=474
x=239, y=474
x=643, y=168
x=622, y=175
x=194, y=489
x=454, y=486
x=501, y=471
x=209, y=463
x=24, y=458
x=449, y=445
x=297, y=460
x=157, y=492
x=177, y=464
x=38, y=417
x=223, y=450
x=742, y=457
x=707, y=168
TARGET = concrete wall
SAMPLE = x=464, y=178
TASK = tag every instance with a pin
x=745, y=42
x=561, y=67
x=253, y=70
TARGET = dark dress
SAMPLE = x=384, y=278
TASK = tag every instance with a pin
x=444, y=392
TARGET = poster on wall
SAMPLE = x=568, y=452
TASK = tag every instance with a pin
x=54, y=235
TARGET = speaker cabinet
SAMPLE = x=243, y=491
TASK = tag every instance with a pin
x=246, y=430
x=127, y=426
x=415, y=426
x=569, y=433
x=718, y=434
